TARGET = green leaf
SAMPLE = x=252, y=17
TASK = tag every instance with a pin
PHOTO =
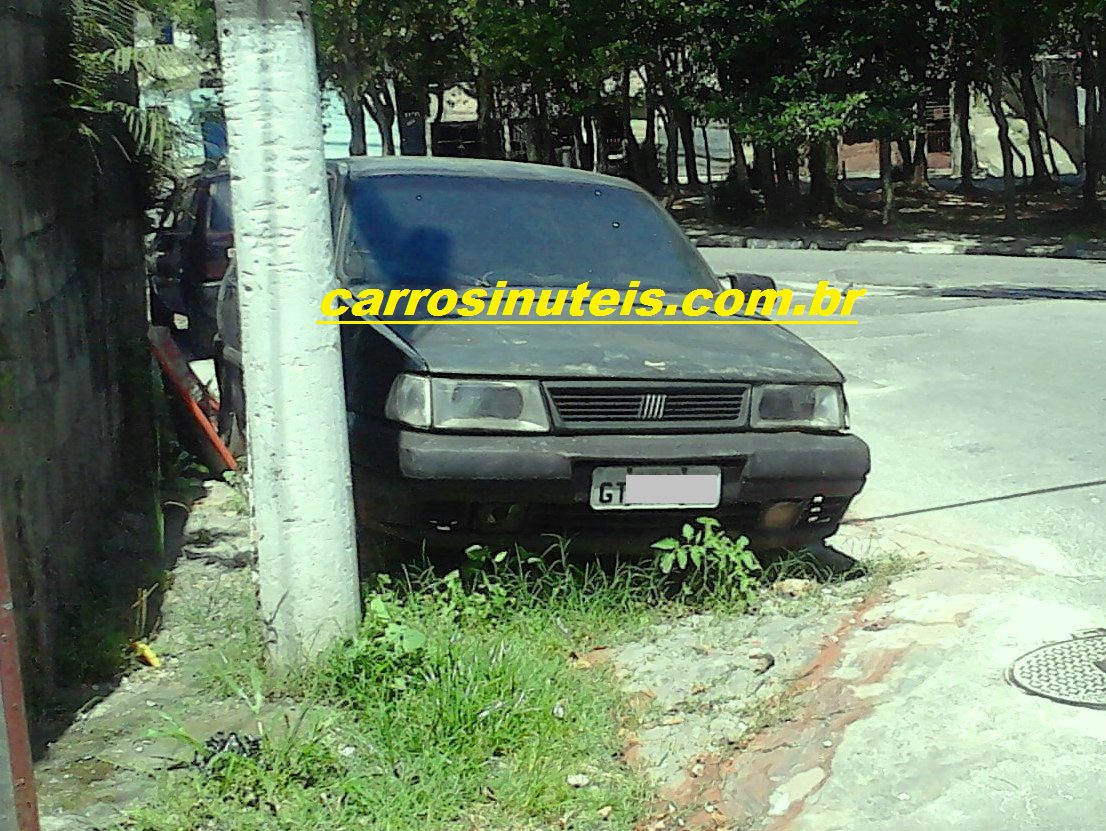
x=406, y=639
x=379, y=608
x=667, y=544
x=665, y=562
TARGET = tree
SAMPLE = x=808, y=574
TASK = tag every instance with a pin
x=349, y=49
x=1086, y=20
x=109, y=67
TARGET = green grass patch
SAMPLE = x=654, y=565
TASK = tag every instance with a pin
x=463, y=701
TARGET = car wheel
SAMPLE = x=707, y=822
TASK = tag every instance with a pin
x=232, y=406
x=814, y=561
x=160, y=314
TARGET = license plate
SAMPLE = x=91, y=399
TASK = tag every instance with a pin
x=644, y=488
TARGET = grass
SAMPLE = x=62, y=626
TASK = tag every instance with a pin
x=461, y=703
x=465, y=701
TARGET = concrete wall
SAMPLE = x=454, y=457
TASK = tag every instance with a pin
x=1056, y=87
x=75, y=376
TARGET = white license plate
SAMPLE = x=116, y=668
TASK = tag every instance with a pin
x=642, y=488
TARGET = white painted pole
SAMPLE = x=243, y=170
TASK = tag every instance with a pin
x=295, y=415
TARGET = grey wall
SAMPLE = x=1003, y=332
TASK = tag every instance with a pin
x=74, y=367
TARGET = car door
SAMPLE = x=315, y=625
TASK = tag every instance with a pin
x=172, y=254
x=206, y=263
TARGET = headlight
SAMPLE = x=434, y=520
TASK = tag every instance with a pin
x=409, y=400
x=798, y=405
x=454, y=404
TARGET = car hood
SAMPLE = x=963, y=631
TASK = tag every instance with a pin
x=633, y=352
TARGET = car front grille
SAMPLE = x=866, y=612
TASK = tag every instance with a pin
x=578, y=518
x=645, y=406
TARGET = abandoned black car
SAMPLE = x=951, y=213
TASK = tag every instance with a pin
x=505, y=432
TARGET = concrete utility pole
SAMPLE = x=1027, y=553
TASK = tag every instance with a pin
x=295, y=415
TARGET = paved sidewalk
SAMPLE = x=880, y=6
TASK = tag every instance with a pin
x=906, y=722
x=713, y=236
x=110, y=757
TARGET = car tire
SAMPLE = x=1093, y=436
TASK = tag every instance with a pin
x=232, y=406
x=160, y=314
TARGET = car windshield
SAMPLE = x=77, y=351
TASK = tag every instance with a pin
x=428, y=231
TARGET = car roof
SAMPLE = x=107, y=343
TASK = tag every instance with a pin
x=363, y=166
x=366, y=166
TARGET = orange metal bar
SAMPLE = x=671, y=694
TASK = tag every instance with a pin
x=192, y=393
x=18, y=750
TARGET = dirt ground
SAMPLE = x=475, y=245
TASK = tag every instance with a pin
x=934, y=211
x=708, y=690
x=129, y=729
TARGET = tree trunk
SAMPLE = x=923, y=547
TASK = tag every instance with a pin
x=488, y=125
x=764, y=173
x=541, y=136
x=998, y=71
x=1100, y=109
x=919, y=167
x=355, y=114
x=671, y=151
x=439, y=110
x=706, y=152
x=648, y=165
x=787, y=184
x=833, y=165
x=1040, y=180
x=962, y=102
x=887, y=186
x=602, y=160
x=687, y=137
x=1054, y=169
x=378, y=101
x=1020, y=156
x=1009, y=178
x=1088, y=75
x=906, y=158
x=740, y=169
x=585, y=143
x=643, y=156
x=413, y=104
x=823, y=177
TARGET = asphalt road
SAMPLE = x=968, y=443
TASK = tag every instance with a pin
x=987, y=421
x=971, y=399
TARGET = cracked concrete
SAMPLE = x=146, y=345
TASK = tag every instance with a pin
x=901, y=716
x=128, y=731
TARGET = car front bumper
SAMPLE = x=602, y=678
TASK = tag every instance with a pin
x=456, y=490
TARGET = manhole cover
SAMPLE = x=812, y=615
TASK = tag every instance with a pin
x=1071, y=672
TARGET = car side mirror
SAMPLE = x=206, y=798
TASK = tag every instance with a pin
x=746, y=283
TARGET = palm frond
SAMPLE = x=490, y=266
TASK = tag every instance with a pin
x=110, y=21
x=104, y=52
x=157, y=61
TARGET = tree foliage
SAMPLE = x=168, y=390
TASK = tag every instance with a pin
x=789, y=77
x=109, y=67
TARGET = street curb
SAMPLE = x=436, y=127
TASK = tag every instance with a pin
x=826, y=242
